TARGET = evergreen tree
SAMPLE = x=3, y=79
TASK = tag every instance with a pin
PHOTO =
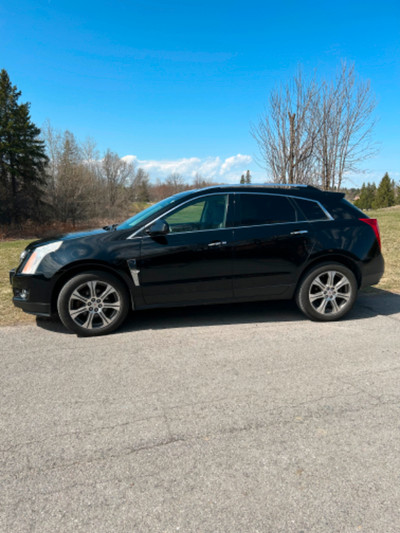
x=22, y=158
x=385, y=193
x=367, y=196
x=242, y=179
x=248, y=177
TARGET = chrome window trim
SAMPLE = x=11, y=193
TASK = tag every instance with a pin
x=328, y=219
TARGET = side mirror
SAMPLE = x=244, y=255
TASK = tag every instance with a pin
x=159, y=227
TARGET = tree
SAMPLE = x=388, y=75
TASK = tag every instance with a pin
x=317, y=132
x=175, y=183
x=385, y=193
x=74, y=189
x=367, y=196
x=22, y=158
x=116, y=173
x=199, y=182
x=287, y=133
x=345, y=126
x=248, y=177
x=242, y=179
x=140, y=186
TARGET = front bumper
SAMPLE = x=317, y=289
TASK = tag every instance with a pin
x=31, y=293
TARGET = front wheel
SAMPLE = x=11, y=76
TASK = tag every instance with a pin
x=93, y=303
x=327, y=292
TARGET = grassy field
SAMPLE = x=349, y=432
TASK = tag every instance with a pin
x=389, y=223
x=9, y=258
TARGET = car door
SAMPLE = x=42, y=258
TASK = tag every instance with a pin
x=271, y=243
x=192, y=263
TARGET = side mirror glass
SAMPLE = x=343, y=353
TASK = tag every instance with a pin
x=159, y=227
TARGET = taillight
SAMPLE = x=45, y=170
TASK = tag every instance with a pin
x=374, y=225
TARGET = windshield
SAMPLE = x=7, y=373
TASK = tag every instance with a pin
x=152, y=210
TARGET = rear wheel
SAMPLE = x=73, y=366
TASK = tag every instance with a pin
x=93, y=303
x=327, y=292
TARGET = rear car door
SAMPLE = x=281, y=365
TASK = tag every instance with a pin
x=193, y=262
x=272, y=242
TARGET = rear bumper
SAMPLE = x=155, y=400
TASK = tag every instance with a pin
x=373, y=272
x=31, y=293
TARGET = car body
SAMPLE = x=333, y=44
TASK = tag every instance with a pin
x=213, y=245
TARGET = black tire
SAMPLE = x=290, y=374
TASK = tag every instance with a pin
x=327, y=292
x=93, y=303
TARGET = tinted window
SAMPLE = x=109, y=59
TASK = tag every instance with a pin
x=344, y=209
x=206, y=213
x=256, y=209
x=311, y=210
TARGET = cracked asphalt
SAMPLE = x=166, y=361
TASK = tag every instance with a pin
x=245, y=418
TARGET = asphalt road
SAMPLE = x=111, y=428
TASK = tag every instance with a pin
x=244, y=418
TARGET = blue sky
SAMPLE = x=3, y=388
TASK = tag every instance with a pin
x=177, y=84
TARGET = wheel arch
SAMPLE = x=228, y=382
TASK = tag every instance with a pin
x=84, y=266
x=344, y=260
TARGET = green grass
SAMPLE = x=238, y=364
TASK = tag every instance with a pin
x=190, y=214
x=9, y=258
x=389, y=225
x=388, y=219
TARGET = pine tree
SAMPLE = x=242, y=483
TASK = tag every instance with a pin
x=248, y=177
x=242, y=180
x=22, y=158
x=367, y=196
x=385, y=193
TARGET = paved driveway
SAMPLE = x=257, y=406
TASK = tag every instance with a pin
x=221, y=419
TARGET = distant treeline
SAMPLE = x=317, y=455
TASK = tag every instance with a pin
x=48, y=175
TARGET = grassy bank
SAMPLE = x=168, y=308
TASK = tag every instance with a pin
x=389, y=223
x=9, y=258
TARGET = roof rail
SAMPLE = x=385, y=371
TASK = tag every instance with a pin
x=272, y=184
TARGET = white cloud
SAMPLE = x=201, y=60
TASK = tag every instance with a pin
x=220, y=170
x=235, y=161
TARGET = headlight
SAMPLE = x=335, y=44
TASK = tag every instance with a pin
x=38, y=254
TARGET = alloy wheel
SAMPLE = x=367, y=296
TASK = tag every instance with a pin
x=329, y=292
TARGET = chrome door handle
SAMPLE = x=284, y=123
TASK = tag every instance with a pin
x=216, y=243
x=299, y=232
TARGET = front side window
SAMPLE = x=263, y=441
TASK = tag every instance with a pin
x=209, y=212
x=258, y=209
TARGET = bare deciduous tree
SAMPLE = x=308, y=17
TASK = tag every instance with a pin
x=73, y=187
x=116, y=174
x=287, y=133
x=345, y=109
x=140, y=186
x=317, y=132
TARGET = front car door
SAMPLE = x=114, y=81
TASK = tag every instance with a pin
x=192, y=263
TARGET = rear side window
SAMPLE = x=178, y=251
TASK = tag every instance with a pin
x=312, y=210
x=345, y=209
x=258, y=209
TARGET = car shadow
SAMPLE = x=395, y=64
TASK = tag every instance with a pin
x=370, y=303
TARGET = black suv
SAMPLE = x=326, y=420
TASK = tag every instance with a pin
x=219, y=244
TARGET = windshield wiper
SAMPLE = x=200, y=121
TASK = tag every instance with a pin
x=111, y=227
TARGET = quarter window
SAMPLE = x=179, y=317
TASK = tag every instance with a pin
x=206, y=213
x=258, y=209
x=311, y=209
